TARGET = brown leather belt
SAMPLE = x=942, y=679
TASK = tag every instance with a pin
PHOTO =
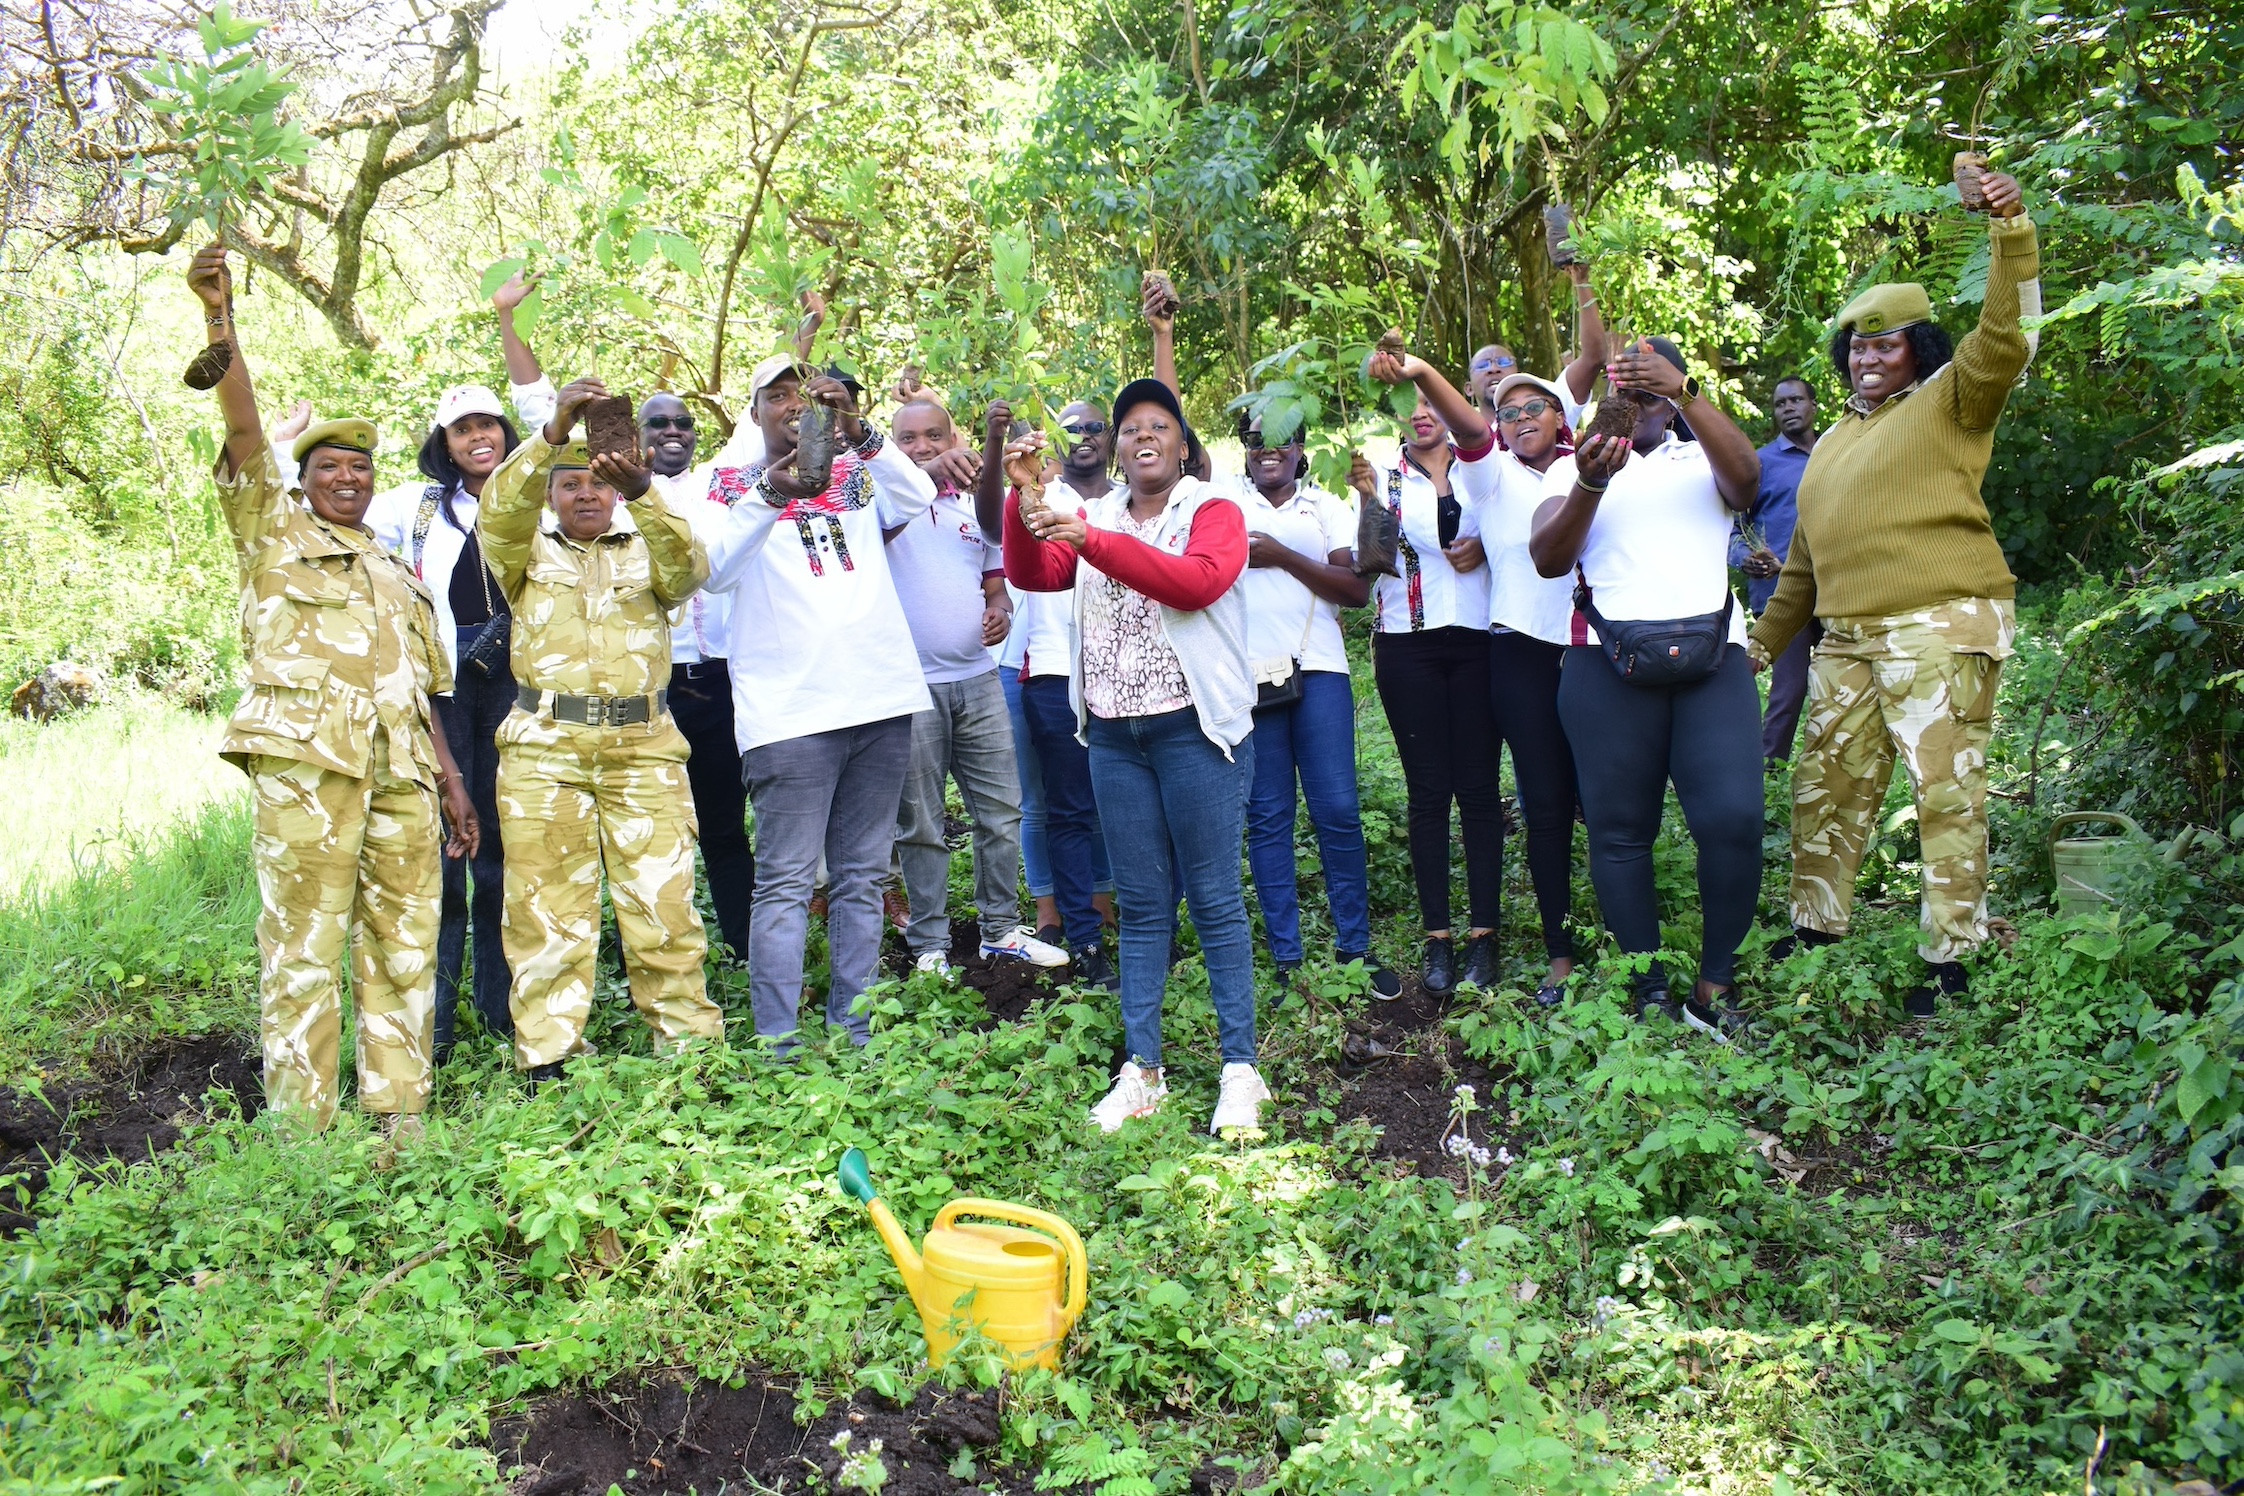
x=594, y=711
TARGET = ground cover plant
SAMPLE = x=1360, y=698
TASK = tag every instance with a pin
x=1482, y=1248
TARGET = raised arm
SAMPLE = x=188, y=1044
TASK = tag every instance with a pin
x=1992, y=355
x=1590, y=351
x=678, y=563
x=1466, y=425
x=1157, y=299
x=213, y=285
x=522, y=366
x=989, y=485
x=1729, y=451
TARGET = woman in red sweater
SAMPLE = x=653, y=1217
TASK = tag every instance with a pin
x=1164, y=695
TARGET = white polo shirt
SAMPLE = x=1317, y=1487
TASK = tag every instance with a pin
x=1285, y=620
x=1507, y=493
x=1659, y=546
x=939, y=561
x=1430, y=593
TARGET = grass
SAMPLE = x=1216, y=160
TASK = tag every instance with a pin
x=95, y=789
x=1851, y=1256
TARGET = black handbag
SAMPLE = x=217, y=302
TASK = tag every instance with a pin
x=1658, y=651
x=487, y=652
x=1285, y=690
x=1378, y=539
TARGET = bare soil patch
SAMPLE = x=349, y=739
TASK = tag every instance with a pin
x=666, y=1437
x=132, y=1115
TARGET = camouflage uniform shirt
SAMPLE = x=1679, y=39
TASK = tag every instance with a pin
x=339, y=634
x=591, y=618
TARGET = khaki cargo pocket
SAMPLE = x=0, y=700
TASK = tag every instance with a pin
x=286, y=697
x=1973, y=681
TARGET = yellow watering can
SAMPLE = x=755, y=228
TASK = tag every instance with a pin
x=1022, y=1289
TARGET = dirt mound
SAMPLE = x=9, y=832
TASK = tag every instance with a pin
x=666, y=1438
x=1400, y=1072
x=130, y=1116
x=1008, y=988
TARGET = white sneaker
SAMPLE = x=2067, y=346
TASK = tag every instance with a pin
x=1020, y=944
x=934, y=961
x=1135, y=1094
x=1239, y=1103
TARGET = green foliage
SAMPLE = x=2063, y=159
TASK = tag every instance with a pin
x=226, y=110
x=1530, y=67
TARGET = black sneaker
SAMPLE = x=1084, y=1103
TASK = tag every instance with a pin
x=1089, y=967
x=1480, y=963
x=1721, y=1024
x=1654, y=1002
x=1942, y=979
x=542, y=1074
x=1439, y=973
x=1385, y=985
x=1801, y=938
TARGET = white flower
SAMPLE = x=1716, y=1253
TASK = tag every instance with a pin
x=1604, y=1310
x=1504, y=1157
x=1457, y=1145
x=1382, y=1319
x=1304, y=1319
x=1464, y=1276
x=1464, y=1095
x=1465, y=1244
x=1480, y=1157
x=1566, y=1167
x=1337, y=1359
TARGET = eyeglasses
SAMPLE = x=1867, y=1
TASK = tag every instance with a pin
x=1497, y=363
x=1525, y=410
x=1082, y=429
x=669, y=423
x=1251, y=438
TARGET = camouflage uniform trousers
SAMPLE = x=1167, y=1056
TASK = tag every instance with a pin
x=1921, y=685
x=336, y=855
x=573, y=799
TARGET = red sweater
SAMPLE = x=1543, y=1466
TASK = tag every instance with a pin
x=1215, y=553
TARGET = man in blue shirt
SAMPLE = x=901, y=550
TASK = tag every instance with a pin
x=1769, y=522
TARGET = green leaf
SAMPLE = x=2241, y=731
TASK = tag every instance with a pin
x=1168, y=1294
x=498, y=273
x=634, y=303
x=1961, y=1331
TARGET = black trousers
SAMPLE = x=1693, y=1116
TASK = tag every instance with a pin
x=1434, y=687
x=471, y=715
x=1630, y=742
x=701, y=705
x=1523, y=676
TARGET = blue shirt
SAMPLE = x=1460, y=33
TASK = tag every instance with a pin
x=1776, y=509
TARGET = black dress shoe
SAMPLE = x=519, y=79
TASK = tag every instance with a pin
x=1438, y=973
x=1942, y=979
x=540, y=1074
x=1801, y=938
x=1480, y=963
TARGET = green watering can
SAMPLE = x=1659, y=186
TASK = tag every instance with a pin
x=2092, y=871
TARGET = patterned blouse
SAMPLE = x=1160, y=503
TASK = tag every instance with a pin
x=1129, y=669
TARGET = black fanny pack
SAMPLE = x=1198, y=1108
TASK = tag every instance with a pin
x=1658, y=651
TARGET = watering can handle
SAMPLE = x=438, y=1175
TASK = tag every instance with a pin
x=1078, y=1266
x=2093, y=818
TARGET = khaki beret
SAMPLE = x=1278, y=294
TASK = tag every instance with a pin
x=575, y=454
x=349, y=432
x=1885, y=308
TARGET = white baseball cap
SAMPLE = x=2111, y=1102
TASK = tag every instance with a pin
x=465, y=400
x=1525, y=381
x=770, y=369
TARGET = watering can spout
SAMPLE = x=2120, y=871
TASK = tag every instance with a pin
x=857, y=1182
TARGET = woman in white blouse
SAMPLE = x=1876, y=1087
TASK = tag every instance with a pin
x=1430, y=660
x=1644, y=524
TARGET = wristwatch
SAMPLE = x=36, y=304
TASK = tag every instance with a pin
x=1690, y=388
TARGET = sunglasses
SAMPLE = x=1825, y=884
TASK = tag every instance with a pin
x=1251, y=439
x=669, y=423
x=1525, y=410
x=1082, y=429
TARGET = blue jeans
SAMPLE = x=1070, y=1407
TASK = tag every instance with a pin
x=1315, y=738
x=1071, y=809
x=1036, y=858
x=1161, y=783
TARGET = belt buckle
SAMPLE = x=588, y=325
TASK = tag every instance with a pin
x=596, y=711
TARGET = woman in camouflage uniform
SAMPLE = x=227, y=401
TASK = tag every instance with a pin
x=348, y=762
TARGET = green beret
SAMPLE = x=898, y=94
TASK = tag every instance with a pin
x=1887, y=308
x=350, y=432
x=572, y=455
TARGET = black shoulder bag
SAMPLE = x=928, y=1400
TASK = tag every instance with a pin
x=1658, y=651
x=487, y=652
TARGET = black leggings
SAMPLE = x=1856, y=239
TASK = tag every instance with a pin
x=1630, y=741
x=1523, y=690
x=1434, y=686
